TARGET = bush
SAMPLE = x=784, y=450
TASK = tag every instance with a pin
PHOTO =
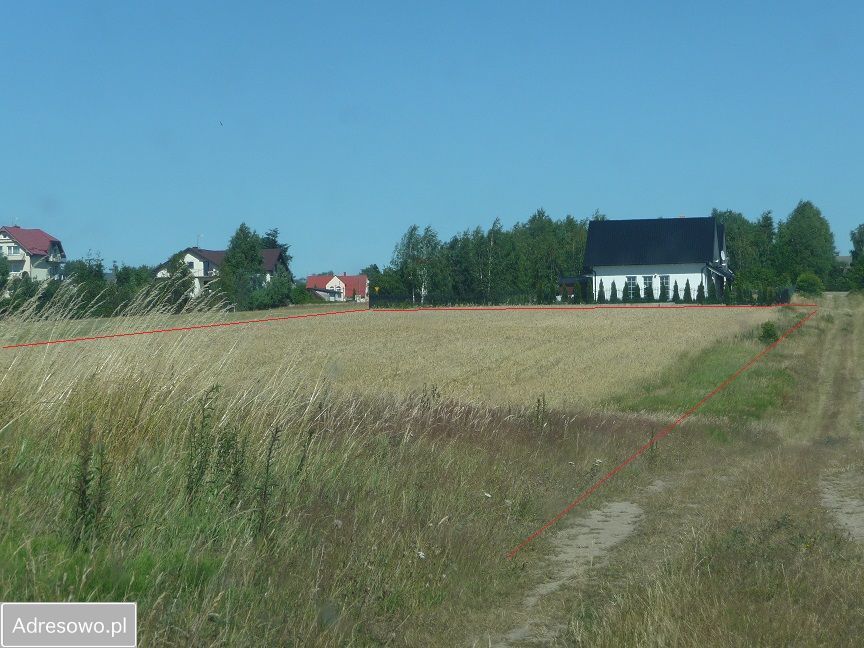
x=601, y=294
x=768, y=333
x=613, y=294
x=688, y=295
x=809, y=284
x=676, y=296
x=664, y=293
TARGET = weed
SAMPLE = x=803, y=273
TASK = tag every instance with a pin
x=89, y=488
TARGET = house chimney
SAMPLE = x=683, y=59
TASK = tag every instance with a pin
x=681, y=216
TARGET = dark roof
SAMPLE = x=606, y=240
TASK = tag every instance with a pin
x=213, y=256
x=270, y=257
x=35, y=241
x=652, y=241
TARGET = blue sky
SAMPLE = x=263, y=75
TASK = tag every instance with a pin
x=342, y=124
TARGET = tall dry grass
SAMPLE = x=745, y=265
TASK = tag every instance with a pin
x=220, y=481
x=354, y=479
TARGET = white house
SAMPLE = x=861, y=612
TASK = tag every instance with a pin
x=31, y=253
x=204, y=265
x=650, y=253
x=344, y=287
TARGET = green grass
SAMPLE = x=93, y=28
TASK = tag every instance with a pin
x=762, y=387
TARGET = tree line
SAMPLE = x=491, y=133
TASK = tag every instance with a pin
x=525, y=263
x=522, y=264
x=101, y=292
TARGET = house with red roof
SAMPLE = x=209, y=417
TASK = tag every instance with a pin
x=31, y=253
x=344, y=287
x=204, y=265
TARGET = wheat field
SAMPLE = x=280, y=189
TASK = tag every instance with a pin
x=573, y=359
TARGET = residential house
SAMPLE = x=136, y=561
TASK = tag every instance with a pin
x=651, y=253
x=31, y=253
x=204, y=265
x=344, y=287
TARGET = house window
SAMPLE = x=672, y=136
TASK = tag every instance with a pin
x=664, y=284
x=191, y=265
x=647, y=286
x=14, y=249
x=631, y=287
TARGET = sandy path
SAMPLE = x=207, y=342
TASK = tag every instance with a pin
x=843, y=495
x=578, y=548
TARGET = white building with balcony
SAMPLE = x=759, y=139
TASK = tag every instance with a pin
x=31, y=253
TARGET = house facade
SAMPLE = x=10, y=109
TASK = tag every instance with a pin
x=204, y=265
x=652, y=253
x=31, y=253
x=344, y=287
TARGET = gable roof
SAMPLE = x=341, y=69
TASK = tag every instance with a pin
x=270, y=257
x=213, y=256
x=355, y=285
x=652, y=241
x=318, y=281
x=34, y=241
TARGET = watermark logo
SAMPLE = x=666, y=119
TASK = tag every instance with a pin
x=68, y=625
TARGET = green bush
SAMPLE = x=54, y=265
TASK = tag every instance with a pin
x=688, y=295
x=768, y=333
x=809, y=284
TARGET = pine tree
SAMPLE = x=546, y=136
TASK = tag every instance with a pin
x=613, y=294
x=664, y=292
x=625, y=297
x=601, y=294
x=649, y=293
x=712, y=291
x=676, y=297
x=688, y=296
x=637, y=294
x=700, y=293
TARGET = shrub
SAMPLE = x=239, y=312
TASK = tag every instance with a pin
x=712, y=291
x=676, y=296
x=688, y=295
x=768, y=333
x=601, y=294
x=809, y=284
x=664, y=293
x=700, y=293
x=613, y=294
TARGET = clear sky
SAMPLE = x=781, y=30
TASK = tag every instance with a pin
x=128, y=129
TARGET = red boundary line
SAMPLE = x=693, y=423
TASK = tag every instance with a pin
x=194, y=327
x=660, y=435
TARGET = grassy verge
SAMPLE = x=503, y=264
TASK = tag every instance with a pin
x=739, y=550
